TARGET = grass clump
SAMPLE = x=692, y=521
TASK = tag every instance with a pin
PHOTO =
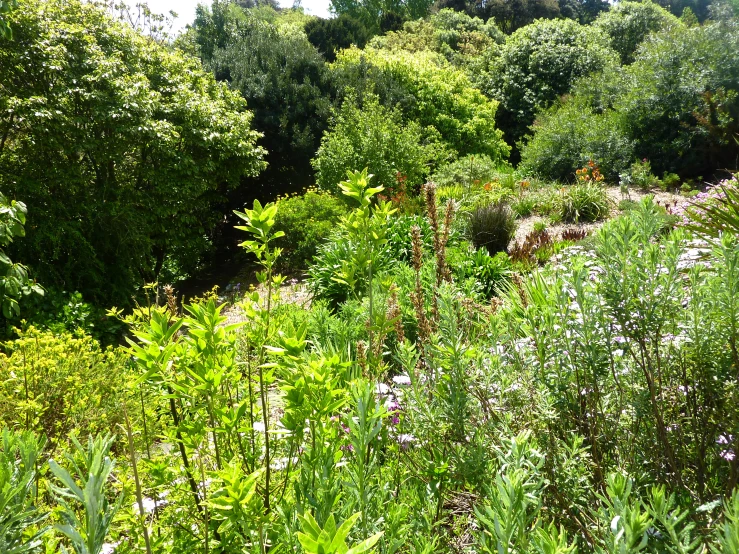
x=584, y=203
x=492, y=227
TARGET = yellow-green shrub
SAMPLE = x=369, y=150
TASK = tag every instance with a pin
x=54, y=384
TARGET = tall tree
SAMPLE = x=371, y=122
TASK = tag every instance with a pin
x=123, y=147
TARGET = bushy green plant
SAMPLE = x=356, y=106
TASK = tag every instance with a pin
x=86, y=485
x=640, y=175
x=20, y=516
x=428, y=90
x=374, y=137
x=490, y=273
x=54, y=384
x=566, y=136
x=584, y=203
x=468, y=171
x=492, y=227
x=627, y=25
x=307, y=221
x=536, y=65
x=14, y=281
x=143, y=179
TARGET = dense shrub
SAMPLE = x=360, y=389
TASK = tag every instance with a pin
x=567, y=135
x=489, y=273
x=627, y=24
x=55, y=384
x=374, y=137
x=455, y=35
x=468, y=170
x=307, y=221
x=538, y=64
x=426, y=89
x=285, y=83
x=679, y=101
x=121, y=148
x=492, y=227
x=331, y=35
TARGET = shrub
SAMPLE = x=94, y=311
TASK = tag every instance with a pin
x=627, y=25
x=307, y=221
x=329, y=36
x=566, y=136
x=640, y=175
x=428, y=90
x=53, y=384
x=476, y=169
x=584, y=202
x=492, y=227
x=140, y=183
x=374, y=137
x=538, y=64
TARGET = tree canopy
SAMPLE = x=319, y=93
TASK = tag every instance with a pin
x=122, y=146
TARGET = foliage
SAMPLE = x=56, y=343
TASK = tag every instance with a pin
x=374, y=137
x=676, y=106
x=492, y=227
x=363, y=236
x=19, y=514
x=379, y=16
x=307, y=221
x=427, y=89
x=93, y=470
x=455, y=35
x=584, y=202
x=627, y=25
x=53, y=384
x=137, y=184
x=284, y=81
x=681, y=113
x=468, y=171
x=489, y=273
x=509, y=16
x=329, y=36
x=5, y=7
x=567, y=136
x=538, y=64
x=14, y=281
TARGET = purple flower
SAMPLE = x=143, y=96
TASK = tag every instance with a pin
x=728, y=455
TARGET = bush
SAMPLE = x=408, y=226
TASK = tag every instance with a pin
x=54, y=384
x=627, y=24
x=566, y=136
x=538, y=64
x=376, y=138
x=307, y=221
x=492, y=227
x=584, y=202
x=489, y=272
x=330, y=36
x=124, y=154
x=474, y=169
x=428, y=90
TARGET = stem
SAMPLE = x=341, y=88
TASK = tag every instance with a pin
x=136, y=480
x=183, y=453
x=263, y=393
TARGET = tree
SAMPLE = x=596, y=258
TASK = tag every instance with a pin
x=124, y=148
x=538, y=64
x=627, y=24
x=374, y=137
x=284, y=81
x=382, y=15
x=509, y=15
x=331, y=35
x=429, y=90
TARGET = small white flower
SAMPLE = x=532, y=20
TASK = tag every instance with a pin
x=402, y=380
